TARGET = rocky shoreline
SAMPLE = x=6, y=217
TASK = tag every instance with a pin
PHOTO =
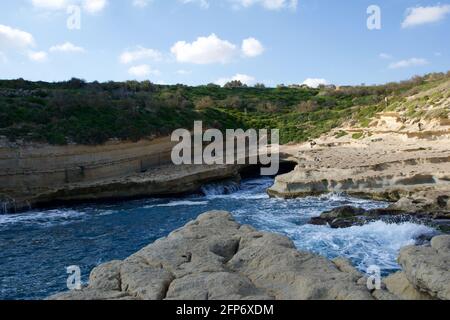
x=390, y=160
x=215, y=258
x=347, y=216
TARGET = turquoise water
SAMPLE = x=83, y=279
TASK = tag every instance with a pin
x=36, y=247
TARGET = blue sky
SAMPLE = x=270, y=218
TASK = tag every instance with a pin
x=202, y=41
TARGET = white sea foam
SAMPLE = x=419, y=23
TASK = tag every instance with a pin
x=376, y=243
x=254, y=189
x=218, y=189
x=178, y=203
x=42, y=217
x=239, y=196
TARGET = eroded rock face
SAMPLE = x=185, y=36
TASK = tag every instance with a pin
x=435, y=201
x=427, y=268
x=35, y=175
x=399, y=285
x=214, y=257
x=387, y=163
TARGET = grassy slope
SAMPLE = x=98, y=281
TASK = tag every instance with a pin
x=92, y=113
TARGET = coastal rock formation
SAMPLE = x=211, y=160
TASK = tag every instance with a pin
x=214, y=257
x=389, y=160
x=398, y=285
x=425, y=274
x=435, y=201
x=347, y=216
x=37, y=175
x=427, y=268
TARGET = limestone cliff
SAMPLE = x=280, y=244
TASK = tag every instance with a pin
x=33, y=175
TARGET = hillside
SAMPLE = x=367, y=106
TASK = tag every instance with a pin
x=93, y=113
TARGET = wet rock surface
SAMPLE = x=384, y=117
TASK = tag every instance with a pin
x=347, y=216
x=425, y=274
x=427, y=268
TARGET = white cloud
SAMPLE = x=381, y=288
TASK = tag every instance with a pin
x=413, y=62
x=90, y=6
x=202, y=3
x=385, y=56
x=183, y=72
x=237, y=4
x=67, y=47
x=142, y=71
x=140, y=53
x=315, y=82
x=252, y=47
x=37, y=56
x=50, y=4
x=423, y=15
x=11, y=38
x=141, y=3
x=205, y=50
x=144, y=3
x=18, y=41
x=94, y=6
x=245, y=79
x=267, y=4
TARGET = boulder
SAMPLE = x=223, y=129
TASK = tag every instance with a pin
x=346, y=266
x=427, y=268
x=144, y=282
x=399, y=285
x=215, y=286
x=441, y=244
x=106, y=276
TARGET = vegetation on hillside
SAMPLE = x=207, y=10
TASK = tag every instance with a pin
x=92, y=113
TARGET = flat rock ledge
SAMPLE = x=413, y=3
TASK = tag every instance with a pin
x=215, y=258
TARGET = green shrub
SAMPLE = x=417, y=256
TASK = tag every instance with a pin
x=91, y=113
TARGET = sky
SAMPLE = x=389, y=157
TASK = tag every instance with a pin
x=214, y=41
